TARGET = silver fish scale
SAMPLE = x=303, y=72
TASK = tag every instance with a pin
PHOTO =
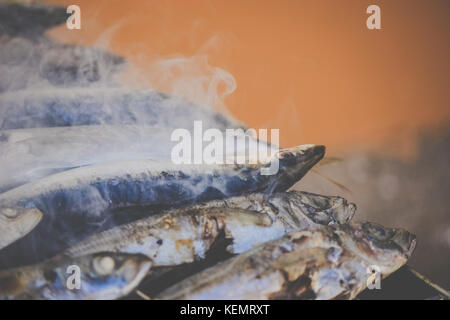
x=247, y=220
x=322, y=263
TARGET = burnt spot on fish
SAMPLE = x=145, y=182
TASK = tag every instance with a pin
x=283, y=249
x=299, y=289
x=300, y=240
x=188, y=243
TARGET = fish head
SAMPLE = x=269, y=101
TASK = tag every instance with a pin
x=323, y=210
x=16, y=222
x=95, y=276
x=293, y=164
x=112, y=275
x=386, y=248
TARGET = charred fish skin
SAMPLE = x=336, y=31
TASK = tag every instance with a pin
x=324, y=210
x=324, y=263
x=90, y=192
x=102, y=276
x=256, y=218
x=185, y=235
x=181, y=236
x=388, y=248
x=321, y=209
x=57, y=107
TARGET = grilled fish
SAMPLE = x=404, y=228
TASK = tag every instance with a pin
x=38, y=152
x=57, y=107
x=29, y=20
x=324, y=263
x=184, y=235
x=27, y=64
x=88, y=193
x=102, y=276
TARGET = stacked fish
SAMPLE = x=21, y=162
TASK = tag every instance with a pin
x=87, y=184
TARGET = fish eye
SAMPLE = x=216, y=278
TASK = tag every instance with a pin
x=103, y=265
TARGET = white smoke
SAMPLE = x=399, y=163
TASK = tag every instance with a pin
x=192, y=78
x=47, y=86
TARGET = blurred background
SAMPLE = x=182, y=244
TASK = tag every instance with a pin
x=378, y=99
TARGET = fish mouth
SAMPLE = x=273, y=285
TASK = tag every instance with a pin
x=395, y=239
x=301, y=158
x=294, y=163
x=405, y=240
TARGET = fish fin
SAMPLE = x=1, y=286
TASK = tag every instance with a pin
x=17, y=222
x=329, y=160
x=339, y=185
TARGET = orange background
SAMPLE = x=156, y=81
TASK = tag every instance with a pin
x=310, y=68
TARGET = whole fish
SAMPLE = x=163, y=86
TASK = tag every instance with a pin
x=56, y=107
x=64, y=65
x=332, y=262
x=28, y=58
x=29, y=154
x=29, y=19
x=28, y=63
x=184, y=235
x=102, y=276
x=85, y=195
